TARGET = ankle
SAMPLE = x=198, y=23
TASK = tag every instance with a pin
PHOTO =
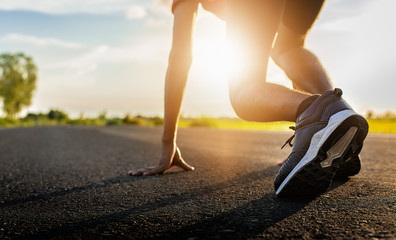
x=305, y=104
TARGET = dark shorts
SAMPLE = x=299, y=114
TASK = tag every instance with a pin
x=299, y=15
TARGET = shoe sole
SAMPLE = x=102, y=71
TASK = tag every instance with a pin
x=344, y=133
x=350, y=167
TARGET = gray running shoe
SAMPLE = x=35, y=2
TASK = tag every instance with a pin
x=327, y=133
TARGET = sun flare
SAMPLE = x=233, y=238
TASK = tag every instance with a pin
x=214, y=55
x=210, y=52
x=215, y=59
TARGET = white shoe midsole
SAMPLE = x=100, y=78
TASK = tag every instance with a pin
x=318, y=139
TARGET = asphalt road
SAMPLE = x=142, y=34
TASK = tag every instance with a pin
x=71, y=183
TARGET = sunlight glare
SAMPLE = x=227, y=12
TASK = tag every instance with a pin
x=216, y=60
x=215, y=57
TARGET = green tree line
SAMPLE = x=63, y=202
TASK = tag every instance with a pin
x=59, y=117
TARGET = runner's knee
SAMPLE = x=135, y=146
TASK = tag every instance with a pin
x=239, y=99
x=239, y=109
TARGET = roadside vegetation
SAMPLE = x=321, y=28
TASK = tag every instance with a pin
x=382, y=123
x=59, y=117
x=379, y=123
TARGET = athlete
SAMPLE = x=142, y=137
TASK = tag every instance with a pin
x=328, y=135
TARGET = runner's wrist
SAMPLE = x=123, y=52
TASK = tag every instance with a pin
x=168, y=138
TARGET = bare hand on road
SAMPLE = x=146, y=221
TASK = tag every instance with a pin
x=280, y=163
x=170, y=157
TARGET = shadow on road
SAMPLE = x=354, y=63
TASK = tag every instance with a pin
x=242, y=222
x=45, y=196
x=245, y=221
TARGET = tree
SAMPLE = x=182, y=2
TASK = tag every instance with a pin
x=370, y=114
x=57, y=115
x=103, y=116
x=18, y=75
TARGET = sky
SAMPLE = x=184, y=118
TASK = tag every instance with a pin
x=111, y=55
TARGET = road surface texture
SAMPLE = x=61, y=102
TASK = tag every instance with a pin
x=72, y=183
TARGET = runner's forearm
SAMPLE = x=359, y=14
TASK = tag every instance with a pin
x=179, y=64
x=175, y=83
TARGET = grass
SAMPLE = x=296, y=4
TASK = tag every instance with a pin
x=382, y=125
x=233, y=123
x=56, y=117
x=377, y=125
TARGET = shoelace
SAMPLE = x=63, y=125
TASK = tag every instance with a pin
x=337, y=92
x=289, y=141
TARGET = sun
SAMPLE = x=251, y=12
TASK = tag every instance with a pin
x=215, y=57
x=210, y=56
x=210, y=48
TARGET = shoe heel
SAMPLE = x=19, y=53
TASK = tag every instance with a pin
x=347, y=138
x=338, y=149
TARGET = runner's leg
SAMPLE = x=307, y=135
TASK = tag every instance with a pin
x=251, y=29
x=289, y=52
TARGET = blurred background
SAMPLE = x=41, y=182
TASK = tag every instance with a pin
x=110, y=56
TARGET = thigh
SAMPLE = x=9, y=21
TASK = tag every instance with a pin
x=251, y=29
x=299, y=15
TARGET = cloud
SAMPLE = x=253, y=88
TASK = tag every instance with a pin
x=335, y=12
x=85, y=65
x=89, y=68
x=155, y=22
x=136, y=12
x=146, y=50
x=68, y=6
x=14, y=37
x=133, y=9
